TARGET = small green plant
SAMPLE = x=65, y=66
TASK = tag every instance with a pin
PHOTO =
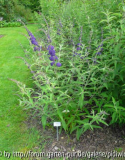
x=9, y=24
x=116, y=111
x=118, y=149
x=87, y=123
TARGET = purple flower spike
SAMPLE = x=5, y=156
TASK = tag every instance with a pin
x=51, y=58
x=101, y=49
x=94, y=60
x=98, y=53
x=50, y=47
x=37, y=48
x=33, y=41
x=52, y=52
x=32, y=37
x=52, y=63
x=58, y=64
x=75, y=54
x=56, y=57
x=78, y=48
x=30, y=34
x=79, y=44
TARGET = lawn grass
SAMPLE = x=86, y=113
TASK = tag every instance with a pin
x=14, y=135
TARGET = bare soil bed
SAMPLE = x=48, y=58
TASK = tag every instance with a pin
x=107, y=139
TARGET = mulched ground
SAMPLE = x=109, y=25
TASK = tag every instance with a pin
x=107, y=139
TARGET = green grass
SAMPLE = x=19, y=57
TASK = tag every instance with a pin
x=14, y=135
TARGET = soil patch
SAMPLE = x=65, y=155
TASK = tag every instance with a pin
x=107, y=139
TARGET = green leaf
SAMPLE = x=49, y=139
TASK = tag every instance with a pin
x=114, y=118
x=47, y=68
x=79, y=132
x=62, y=120
x=81, y=100
x=85, y=109
x=114, y=102
x=117, y=14
x=121, y=108
x=103, y=122
x=109, y=105
x=103, y=21
x=87, y=126
x=86, y=120
x=70, y=120
x=44, y=121
x=106, y=85
x=95, y=126
x=73, y=128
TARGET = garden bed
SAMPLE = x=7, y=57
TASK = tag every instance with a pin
x=107, y=139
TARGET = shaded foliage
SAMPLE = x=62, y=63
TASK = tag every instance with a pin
x=14, y=9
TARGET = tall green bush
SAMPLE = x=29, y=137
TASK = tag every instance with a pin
x=20, y=11
x=34, y=5
x=14, y=9
x=83, y=86
x=6, y=10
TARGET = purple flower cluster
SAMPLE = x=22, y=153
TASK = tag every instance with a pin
x=34, y=41
x=99, y=52
x=38, y=48
x=50, y=49
x=76, y=54
x=58, y=31
x=78, y=48
x=100, y=49
x=94, y=60
x=59, y=27
x=53, y=56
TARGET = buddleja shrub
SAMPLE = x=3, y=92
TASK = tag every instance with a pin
x=67, y=84
x=76, y=84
